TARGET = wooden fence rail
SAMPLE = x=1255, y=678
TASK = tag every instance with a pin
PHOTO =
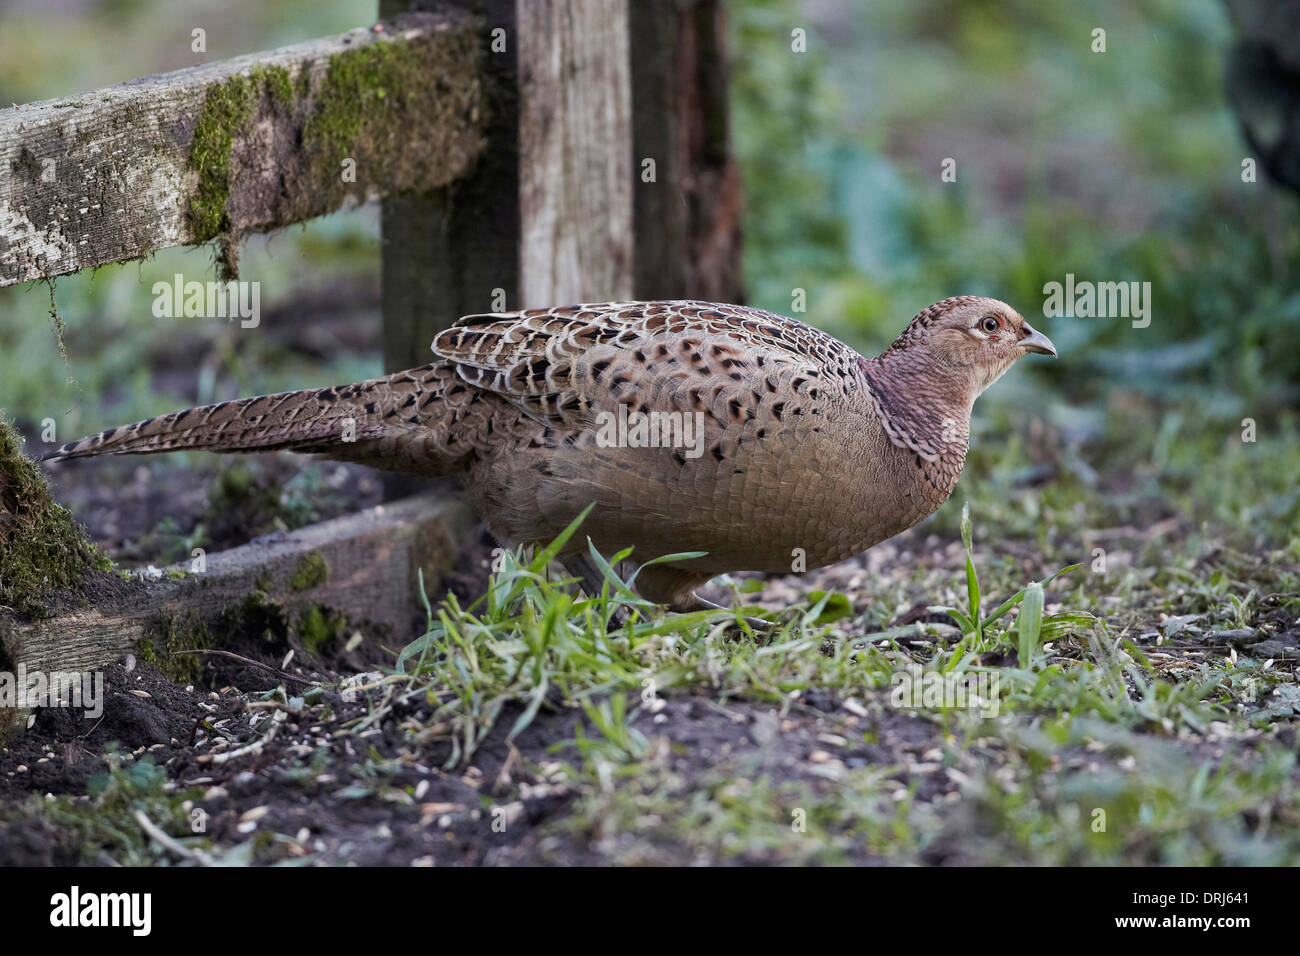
x=250, y=144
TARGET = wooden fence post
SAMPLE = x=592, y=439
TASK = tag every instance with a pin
x=575, y=147
x=445, y=252
x=687, y=223
x=560, y=208
x=546, y=216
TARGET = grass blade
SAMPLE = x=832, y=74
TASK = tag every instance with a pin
x=1030, y=624
x=1019, y=596
x=547, y=554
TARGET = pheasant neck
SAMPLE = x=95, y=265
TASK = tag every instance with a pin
x=923, y=406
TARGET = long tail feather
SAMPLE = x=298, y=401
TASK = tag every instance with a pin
x=308, y=420
x=264, y=423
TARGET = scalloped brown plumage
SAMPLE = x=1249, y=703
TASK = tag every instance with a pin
x=784, y=447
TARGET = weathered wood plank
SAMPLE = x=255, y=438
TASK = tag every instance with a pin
x=252, y=143
x=357, y=572
x=575, y=150
x=687, y=220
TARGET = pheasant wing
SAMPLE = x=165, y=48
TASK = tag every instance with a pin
x=561, y=366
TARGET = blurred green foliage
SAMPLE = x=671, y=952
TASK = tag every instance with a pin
x=1115, y=166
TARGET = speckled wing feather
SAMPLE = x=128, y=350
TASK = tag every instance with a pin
x=561, y=365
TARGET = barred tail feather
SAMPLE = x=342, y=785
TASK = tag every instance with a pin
x=307, y=420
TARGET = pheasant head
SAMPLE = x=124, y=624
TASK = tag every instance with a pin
x=925, y=383
x=968, y=340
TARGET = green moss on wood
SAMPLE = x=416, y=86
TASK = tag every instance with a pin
x=278, y=84
x=302, y=83
x=317, y=628
x=256, y=618
x=367, y=105
x=376, y=97
x=43, y=551
x=171, y=633
x=312, y=571
x=227, y=109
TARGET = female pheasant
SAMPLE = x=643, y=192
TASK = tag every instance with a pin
x=782, y=442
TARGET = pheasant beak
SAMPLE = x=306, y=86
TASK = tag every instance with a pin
x=1035, y=341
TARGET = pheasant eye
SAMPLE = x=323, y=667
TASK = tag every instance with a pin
x=990, y=324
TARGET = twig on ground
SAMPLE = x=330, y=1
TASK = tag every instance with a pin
x=253, y=748
x=155, y=833
x=248, y=660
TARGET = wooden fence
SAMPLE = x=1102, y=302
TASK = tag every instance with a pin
x=526, y=152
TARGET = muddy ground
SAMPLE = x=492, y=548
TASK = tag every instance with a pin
x=338, y=815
